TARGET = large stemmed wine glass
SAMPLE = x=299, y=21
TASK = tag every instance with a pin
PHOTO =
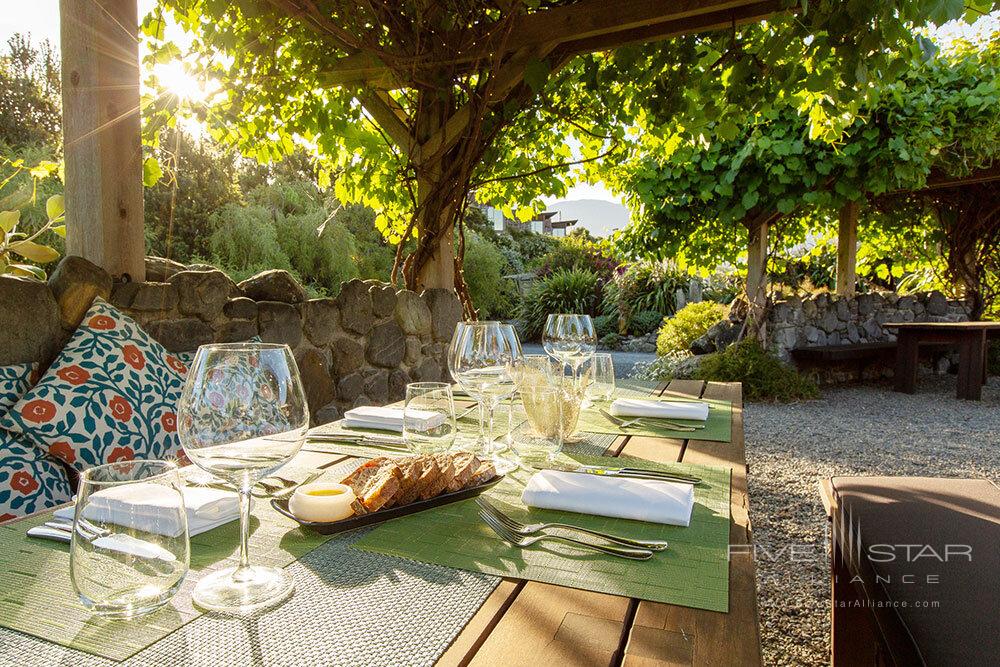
x=517, y=355
x=480, y=360
x=243, y=415
x=569, y=339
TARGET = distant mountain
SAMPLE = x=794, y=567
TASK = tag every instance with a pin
x=599, y=216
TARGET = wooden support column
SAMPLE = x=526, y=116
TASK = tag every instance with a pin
x=757, y=276
x=847, y=250
x=101, y=132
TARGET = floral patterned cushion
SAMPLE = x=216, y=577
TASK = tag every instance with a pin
x=111, y=395
x=30, y=481
x=14, y=381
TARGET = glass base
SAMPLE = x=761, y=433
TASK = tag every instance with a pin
x=255, y=588
x=130, y=606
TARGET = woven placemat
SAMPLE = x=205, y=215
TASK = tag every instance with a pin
x=350, y=608
x=693, y=572
x=718, y=427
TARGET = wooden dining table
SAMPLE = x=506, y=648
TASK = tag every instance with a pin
x=533, y=623
x=970, y=338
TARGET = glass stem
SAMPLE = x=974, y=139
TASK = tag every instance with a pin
x=242, y=570
x=509, y=438
x=483, y=440
x=492, y=409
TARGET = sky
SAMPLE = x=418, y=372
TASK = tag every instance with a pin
x=40, y=18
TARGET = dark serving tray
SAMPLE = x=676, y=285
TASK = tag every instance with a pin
x=350, y=523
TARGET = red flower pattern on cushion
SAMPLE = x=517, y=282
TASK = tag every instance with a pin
x=63, y=451
x=120, y=409
x=169, y=422
x=7, y=517
x=23, y=482
x=73, y=374
x=176, y=364
x=133, y=357
x=121, y=454
x=101, y=323
x=38, y=411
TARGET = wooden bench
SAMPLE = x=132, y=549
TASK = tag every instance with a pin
x=913, y=565
x=862, y=355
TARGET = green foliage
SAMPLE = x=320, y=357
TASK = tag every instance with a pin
x=764, y=376
x=246, y=238
x=698, y=193
x=644, y=322
x=577, y=252
x=687, y=325
x=21, y=251
x=565, y=291
x=643, y=286
x=322, y=260
x=30, y=108
x=485, y=267
x=610, y=341
x=605, y=324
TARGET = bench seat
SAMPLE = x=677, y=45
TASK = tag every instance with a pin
x=918, y=558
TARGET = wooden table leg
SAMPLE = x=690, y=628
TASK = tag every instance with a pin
x=971, y=365
x=907, y=358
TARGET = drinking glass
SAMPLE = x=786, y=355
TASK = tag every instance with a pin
x=517, y=354
x=602, y=377
x=553, y=409
x=130, y=551
x=242, y=415
x=429, y=417
x=569, y=339
x=480, y=359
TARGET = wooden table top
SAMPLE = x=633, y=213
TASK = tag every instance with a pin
x=945, y=326
x=527, y=622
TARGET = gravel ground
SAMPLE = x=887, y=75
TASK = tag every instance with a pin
x=862, y=430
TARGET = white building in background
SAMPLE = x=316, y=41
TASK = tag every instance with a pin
x=549, y=223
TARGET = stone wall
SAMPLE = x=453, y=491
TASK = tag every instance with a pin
x=826, y=319
x=360, y=348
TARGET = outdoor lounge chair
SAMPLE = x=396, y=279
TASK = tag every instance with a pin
x=914, y=565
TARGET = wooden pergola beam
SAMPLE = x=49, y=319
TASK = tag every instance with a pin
x=590, y=25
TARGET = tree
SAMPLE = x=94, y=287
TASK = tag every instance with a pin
x=30, y=107
x=939, y=119
x=411, y=105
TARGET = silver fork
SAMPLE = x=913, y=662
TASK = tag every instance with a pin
x=632, y=422
x=532, y=528
x=520, y=541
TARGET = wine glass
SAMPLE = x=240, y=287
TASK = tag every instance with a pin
x=480, y=359
x=242, y=415
x=569, y=339
x=517, y=355
x=602, y=372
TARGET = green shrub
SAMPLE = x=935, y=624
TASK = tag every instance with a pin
x=763, y=375
x=993, y=359
x=245, y=237
x=604, y=325
x=690, y=323
x=485, y=267
x=643, y=286
x=577, y=253
x=610, y=341
x=563, y=292
x=644, y=322
x=325, y=260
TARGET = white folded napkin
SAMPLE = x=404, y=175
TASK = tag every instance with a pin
x=639, y=499
x=391, y=419
x=147, y=507
x=632, y=407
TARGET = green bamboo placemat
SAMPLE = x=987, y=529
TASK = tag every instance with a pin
x=718, y=426
x=37, y=598
x=693, y=572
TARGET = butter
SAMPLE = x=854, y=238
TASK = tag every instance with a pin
x=322, y=502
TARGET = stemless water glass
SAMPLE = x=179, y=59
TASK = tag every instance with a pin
x=550, y=409
x=569, y=339
x=429, y=417
x=242, y=415
x=602, y=377
x=130, y=550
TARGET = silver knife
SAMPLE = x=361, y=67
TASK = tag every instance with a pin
x=625, y=473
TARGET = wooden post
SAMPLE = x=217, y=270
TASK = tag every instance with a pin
x=101, y=132
x=847, y=250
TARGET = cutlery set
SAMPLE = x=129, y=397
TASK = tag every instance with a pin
x=524, y=535
x=653, y=421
